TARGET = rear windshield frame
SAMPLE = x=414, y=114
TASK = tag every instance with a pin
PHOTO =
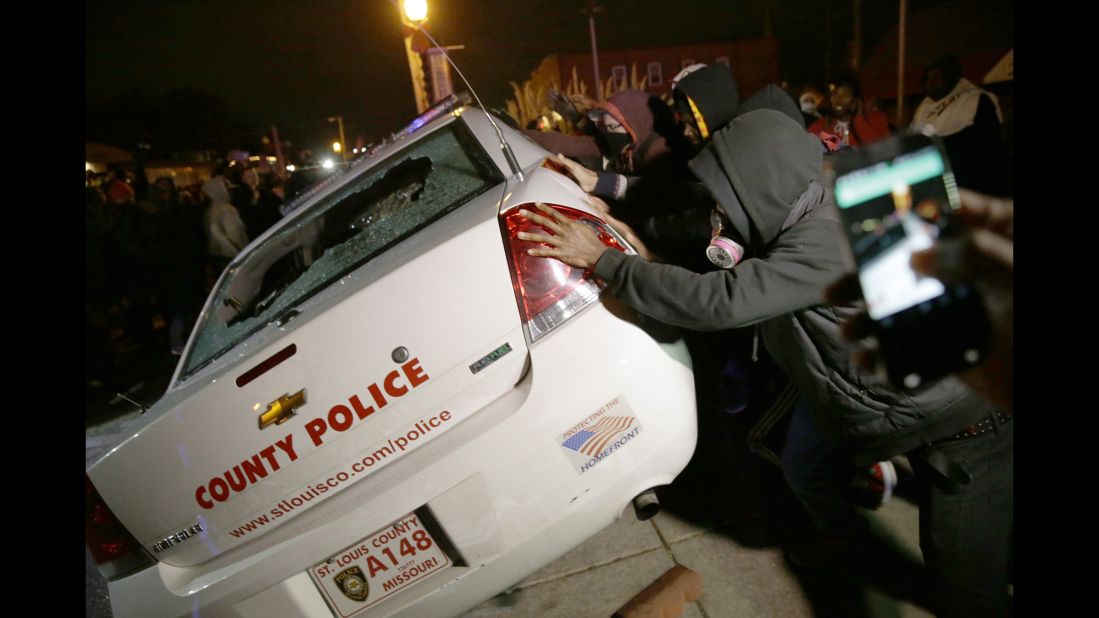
x=487, y=170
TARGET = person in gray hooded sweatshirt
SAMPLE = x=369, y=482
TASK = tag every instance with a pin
x=763, y=171
x=225, y=231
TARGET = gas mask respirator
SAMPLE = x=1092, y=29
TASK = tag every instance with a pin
x=723, y=252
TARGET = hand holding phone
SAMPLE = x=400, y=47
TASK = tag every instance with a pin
x=985, y=256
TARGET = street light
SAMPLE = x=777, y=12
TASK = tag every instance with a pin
x=413, y=15
x=338, y=146
x=415, y=10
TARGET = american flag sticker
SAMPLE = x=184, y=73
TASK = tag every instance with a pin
x=599, y=435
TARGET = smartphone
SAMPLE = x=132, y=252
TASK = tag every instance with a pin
x=896, y=197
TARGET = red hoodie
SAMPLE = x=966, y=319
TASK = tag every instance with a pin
x=631, y=109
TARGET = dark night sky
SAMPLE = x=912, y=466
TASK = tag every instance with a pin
x=294, y=63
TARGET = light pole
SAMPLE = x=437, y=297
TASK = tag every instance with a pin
x=900, y=62
x=413, y=15
x=342, y=150
x=593, y=10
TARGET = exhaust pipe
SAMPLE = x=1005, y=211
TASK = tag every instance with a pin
x=646, y=504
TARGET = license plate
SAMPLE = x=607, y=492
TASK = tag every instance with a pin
x=382, y=564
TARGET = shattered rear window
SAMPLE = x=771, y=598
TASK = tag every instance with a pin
x=384, y=205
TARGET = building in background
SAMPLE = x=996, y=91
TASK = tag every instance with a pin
x=982, y=39
x=754, y=62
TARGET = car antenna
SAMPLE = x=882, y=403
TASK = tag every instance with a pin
x=509, y=155
x=144, y=408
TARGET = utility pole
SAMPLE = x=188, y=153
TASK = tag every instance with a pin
x=278, y=152
x=827, y=42
x=413, y=16
x=593, y=10
x=900, y=63
x=856, y=38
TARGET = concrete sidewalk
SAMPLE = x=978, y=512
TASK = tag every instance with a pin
x=742, y=566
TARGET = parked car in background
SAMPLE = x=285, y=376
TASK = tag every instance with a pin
x=387, y=408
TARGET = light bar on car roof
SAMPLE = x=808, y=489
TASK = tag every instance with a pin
x=444, y=106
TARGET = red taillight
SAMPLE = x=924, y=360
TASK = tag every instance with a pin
x=113, y=548
x=549, y=291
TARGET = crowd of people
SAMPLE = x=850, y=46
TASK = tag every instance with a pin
x=152, y=253
x=743, y=184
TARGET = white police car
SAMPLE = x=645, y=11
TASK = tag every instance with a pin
x=387, y=408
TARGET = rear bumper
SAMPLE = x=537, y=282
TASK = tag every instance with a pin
x=505, y=491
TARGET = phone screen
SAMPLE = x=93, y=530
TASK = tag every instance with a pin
x=895, y=198
x=892, y=209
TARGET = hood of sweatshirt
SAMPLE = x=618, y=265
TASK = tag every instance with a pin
x=757, y=168
x=714, y=94
x=216, y=190
x=775, y=98
x=635, y=111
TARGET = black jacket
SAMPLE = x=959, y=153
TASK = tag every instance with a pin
x=763, y=169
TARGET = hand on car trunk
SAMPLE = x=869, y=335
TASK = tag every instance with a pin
x=572, y=242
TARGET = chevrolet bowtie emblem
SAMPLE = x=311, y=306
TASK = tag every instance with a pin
x=280, y=410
